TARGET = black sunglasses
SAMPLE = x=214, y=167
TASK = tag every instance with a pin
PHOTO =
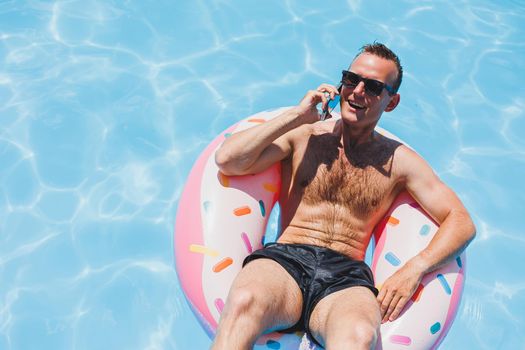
x=372, y=87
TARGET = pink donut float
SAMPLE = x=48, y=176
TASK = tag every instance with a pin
x=220, y=220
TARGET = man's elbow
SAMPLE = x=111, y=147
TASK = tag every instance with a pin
x=226, y=164
x=473, y=231
x=223, y=162
x=470, y=229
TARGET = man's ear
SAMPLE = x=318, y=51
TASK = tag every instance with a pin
x=394, y=101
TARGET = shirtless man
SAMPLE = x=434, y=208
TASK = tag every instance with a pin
x=338, y=179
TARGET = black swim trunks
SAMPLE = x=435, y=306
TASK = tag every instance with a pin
x=318, y=271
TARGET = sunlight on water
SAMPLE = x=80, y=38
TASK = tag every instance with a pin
x=105, y=106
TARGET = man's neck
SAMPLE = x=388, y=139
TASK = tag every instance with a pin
x=356, y=135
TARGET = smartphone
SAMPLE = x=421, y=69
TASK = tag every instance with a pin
x=331, y=104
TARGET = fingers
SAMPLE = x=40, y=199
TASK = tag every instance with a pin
x=316, y=96
x=308, y=105
x=391, y=304
x=384, y=298
x=396, y=291
x=330, y=89
x=324, y=99
x=390, y=308
x=307, y=108
x=398, y=308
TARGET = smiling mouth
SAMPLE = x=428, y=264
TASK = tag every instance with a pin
x=356, y=106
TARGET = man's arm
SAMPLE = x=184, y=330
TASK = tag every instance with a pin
x=255, y=149
x=454, y=234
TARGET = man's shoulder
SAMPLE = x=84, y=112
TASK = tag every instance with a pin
x=303, y=132
x=408, y=162
x=406, y=154
x=383, y=137
x=386, y=144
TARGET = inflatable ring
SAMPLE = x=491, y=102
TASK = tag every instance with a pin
x=220, y=220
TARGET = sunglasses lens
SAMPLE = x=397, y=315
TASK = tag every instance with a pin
x=350, y=79
x=374, y=87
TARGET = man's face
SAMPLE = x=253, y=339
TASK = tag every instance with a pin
x=358, y=106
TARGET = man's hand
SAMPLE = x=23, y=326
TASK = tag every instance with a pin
x=397, y=290
x=307, y=108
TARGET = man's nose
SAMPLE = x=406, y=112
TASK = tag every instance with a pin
x=360, y=88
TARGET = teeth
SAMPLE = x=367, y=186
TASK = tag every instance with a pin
x=355, y=105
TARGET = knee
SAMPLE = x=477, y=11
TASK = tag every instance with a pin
x=241, y=321
x=244, y=301
x=364, y=335
x=357, y=335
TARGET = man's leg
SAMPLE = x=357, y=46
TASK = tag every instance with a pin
x=263, y=296
x=347, y=319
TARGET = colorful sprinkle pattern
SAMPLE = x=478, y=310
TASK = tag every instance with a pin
x=417, y=294
x=221, y=265
x=392, y=258
x=435, y=328
x=393, y=221
x=224, y=180
x=444, y=284
x=263, y=208
x=270, y=187
x=257, y=120
x=400, y=339
x=245, y=210
x=219, y=304
x=247, y=243
x=425, y=230
x=195, y=248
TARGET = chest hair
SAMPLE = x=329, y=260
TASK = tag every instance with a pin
x=357, y=181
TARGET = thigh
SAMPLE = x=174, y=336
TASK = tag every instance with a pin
x=343, y=310
x=273, y=289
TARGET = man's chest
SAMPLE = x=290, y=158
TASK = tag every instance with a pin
x=360, y=184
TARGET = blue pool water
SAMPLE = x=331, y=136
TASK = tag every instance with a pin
x=105, y=105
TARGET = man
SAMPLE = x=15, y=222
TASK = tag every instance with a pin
x=338, y=179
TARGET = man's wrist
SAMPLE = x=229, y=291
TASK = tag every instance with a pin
x=306, y=113
x=420, y=265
